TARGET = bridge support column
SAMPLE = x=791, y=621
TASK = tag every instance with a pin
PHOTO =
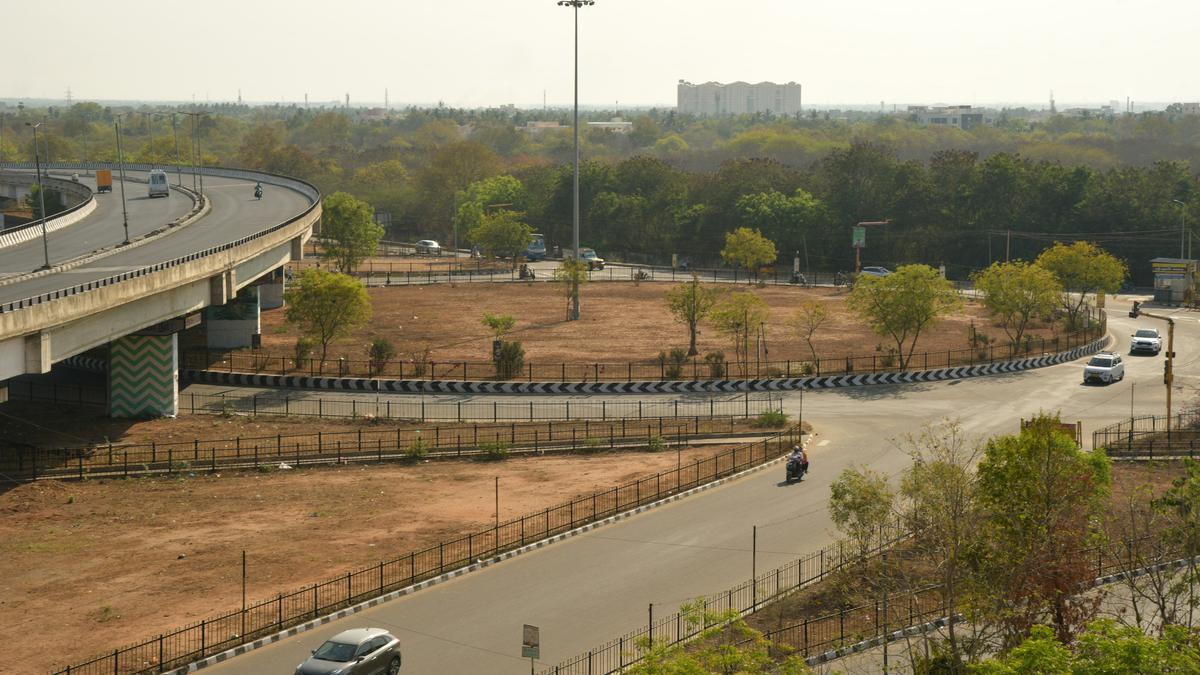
x=143, y=376
x=270, y=291
x=236, y=323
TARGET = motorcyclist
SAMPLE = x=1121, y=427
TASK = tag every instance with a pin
x=798, y=455
x=258, y=190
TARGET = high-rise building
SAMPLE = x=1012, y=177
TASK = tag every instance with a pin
x=714, y=99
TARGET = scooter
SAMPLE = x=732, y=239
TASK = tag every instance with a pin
x=796, y=470
x=257, y=192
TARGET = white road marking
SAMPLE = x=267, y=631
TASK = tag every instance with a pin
x=823, y=443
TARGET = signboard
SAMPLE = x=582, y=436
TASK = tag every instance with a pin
x=1170, y=269
x=531, y=646
x=858, y=237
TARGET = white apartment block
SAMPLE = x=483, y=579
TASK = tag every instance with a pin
x=714, y=99
x=961, y=116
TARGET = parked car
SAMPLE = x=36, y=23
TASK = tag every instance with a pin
x=587, y=255
x=429, y=246
x=1106, y=367
x=1145, y=340
x=876, y=271
x=359, y=651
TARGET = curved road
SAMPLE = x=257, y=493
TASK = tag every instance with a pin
x=595, y=586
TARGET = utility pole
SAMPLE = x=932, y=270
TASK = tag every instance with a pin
x=41, y=191
x=576, y=4
x=1168, y=365
x=121, y=167
x=1007, y=244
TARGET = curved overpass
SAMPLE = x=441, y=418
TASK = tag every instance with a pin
x=151, y=289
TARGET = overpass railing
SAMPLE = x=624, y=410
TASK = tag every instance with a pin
x=26, y=231
x=304, y=188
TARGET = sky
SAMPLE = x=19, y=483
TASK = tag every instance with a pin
x=631, y=52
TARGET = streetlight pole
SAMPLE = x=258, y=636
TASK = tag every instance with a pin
x=1182, y=217
x=121, y=169
x=196, y=150
x=37, y=164
x=175, y=130
x=575, y=5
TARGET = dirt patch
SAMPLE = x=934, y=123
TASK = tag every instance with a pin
x=104, y=563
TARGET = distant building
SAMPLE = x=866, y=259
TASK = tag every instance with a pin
x=713, y=99
x=1192, y=108
x=964, y=117
x=615, y=124
x=537, y=127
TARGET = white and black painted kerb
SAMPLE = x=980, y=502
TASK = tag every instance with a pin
x=653, y=387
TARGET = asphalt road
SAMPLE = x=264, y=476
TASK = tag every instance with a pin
x=593, y=587
x=235, y=213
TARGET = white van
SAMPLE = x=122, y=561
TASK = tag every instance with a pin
x=158, y=184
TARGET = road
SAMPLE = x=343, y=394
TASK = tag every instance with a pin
x=595, y=586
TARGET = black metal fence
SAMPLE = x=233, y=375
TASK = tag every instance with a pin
x=1148, y=436
x=362, y=445
x=635, y=371
x=195, y=641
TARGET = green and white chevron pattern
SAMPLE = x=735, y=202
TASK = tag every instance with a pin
x=143, y=376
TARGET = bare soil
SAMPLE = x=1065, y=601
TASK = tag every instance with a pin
x=621, y=322
x=105, y=563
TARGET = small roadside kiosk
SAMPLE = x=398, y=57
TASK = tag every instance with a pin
x=1172, y=279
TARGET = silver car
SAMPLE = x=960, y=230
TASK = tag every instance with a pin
x=429, y=246
x=359, y=651
x=1105, y=367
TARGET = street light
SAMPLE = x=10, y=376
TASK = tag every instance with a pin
x=1182, y=215
x=196, y=150
x=121, y=169
x=37, y=163
x=175, y=129
x=575, y=5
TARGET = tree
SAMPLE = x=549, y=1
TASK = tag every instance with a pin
x=807, y=320
x=349, y=229
x=502, y=191
x=903, y=304
x=1017, y=293
x=1041, y=496
x=748, y=248
x=1105, y=647
x=724, y=643
x=503, y=234
x=326, y=306
x=689, y=303
x=571, y=274
x=1181, y=505
x=499, y=324
x=740, y=315
x=1082, y=268
x=860, y=502
x=53, y=199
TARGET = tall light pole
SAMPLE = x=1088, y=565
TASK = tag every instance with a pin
x=37, y=164
x=1182, y=216
x=121, y=169
x=175, y=129
x=575, y=5
x=196, y=156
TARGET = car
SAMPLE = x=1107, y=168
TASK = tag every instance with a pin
x=588, y=255
x=1105, y=367
x=876, y=271
x=429, y=246
x=358, y=651
x=1145, y=340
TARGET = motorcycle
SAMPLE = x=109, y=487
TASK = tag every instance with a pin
x=526, y=272
x=257, y=192
x=796, y=470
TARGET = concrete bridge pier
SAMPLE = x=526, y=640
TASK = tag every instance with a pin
x=235, y=323
x=270, y=290
x=143, y=376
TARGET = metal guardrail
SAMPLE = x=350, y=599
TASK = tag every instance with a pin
x=214, y=635
x=301, y=186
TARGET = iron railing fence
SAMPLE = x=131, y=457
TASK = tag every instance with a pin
x=1147, y=436
x=623, y=651
x=632, y=371
x=422, y=409
x=362, y=445
x=418, y=272
x=195, y=641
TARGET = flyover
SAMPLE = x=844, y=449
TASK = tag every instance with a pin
x=135, y=298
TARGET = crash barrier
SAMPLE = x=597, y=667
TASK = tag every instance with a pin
x=1147, y=436
x=28, y=231
x=179, y=647
x=423, y=410
x=694, y=369
x=473, y=441
x=304, y=188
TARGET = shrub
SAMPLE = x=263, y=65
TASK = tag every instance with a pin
x=672, y=362
x=511, y=361
x=592, y=444
x=716, y=364
x=494, y=451
x=380, y=352
x=656, y=444
x=807, y=368
x=771, y=419
x=420, y=361
x=417, y=449
x=888, y=360
x=304, y=347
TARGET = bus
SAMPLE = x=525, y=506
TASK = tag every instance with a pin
x=536, y=249
x=158, y=183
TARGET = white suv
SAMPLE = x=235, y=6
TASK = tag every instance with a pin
x=1106, y=367
x=1145, y=340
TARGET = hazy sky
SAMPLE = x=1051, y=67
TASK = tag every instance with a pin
x=633, y=51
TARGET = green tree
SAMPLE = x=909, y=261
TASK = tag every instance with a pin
x=1082, y=268
x=1105, y=647
x=326, y=306
x=1017, y=293
x=748, y=248
x=503, y=234
x=54, y=202
x=689, y=303
x=740, y=315
x=504, y=191
x=860, y=503
x=349, y=230
x=903, y=304
x=724, y=643
x=499, y=324
x=1181, y=505
x=1042, y=497
x=807, y=320
x=572, y=274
